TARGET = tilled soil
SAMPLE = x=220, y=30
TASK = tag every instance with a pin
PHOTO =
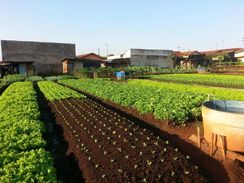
x=113, y=148
x=217, y=170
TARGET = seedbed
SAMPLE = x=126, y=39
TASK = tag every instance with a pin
x=111, y=148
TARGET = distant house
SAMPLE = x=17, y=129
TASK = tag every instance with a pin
x=27, y=57
x=223, y=55
x=90, y=60
x=117, y=61
x=143, y=57
x=239, y=55
x=189, y=59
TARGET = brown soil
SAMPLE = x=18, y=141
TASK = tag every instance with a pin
x=219, y=170
x=112, y=146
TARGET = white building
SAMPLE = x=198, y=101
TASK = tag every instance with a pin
x=240, y=55
x=146, y=57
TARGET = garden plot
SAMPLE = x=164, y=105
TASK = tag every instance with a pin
x=220, y=80
x=111, y=148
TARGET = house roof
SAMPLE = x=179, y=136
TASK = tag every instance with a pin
x=178, y=54
x=81, y=60
x=239, y=51
x=186, y=53
x=222, y=51
x=4, y=63
x=17, y=62
x=208, y=53
x=90, y=56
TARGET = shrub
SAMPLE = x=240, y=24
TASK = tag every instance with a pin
x=34, y=78
x=13, y=78
x=59, y=77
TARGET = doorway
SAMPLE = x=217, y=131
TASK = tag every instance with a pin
x=22, y=69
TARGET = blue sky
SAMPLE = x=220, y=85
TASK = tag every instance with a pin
x=123, y=24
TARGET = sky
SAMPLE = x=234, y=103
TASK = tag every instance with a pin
x=122, y=24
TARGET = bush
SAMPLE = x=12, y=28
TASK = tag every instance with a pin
x=131, y=71
x=34, y=78
x=83, y=73
x=13, y=78
x=59, y=77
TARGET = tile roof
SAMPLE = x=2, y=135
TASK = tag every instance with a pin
x=186, y=53
x=221, y=51
x=84, y=56
x=208, y=53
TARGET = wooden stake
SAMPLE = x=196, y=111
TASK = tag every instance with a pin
x=222, y=140
x=198, y=137
x=211, y=145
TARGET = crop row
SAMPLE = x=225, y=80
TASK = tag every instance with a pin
x=170, y=102
x=112, y=148
x=54, y=91
x=11, y=78
x=23, y=157
x=209, y=92
x=204, y=79
x=167, y=104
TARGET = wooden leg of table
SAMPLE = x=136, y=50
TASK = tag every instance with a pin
x=215, y=141
x=215, y=145
x=211, y=145
x=222, y=140
x=198, y=138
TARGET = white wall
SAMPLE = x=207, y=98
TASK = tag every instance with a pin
x=240, y=56
x=112, y=57
x=157, y=58
x=154, y=52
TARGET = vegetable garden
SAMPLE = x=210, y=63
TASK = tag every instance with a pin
x=170, y=102
x=204, y=79
x=111, y=148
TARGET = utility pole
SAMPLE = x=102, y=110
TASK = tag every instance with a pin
x=98, y=51
x=223, y=43
x=178, y=47
x=242, y=40
x=107, y=48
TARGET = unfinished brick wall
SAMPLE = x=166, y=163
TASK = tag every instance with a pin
x=46, y=57
x=48, y=69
